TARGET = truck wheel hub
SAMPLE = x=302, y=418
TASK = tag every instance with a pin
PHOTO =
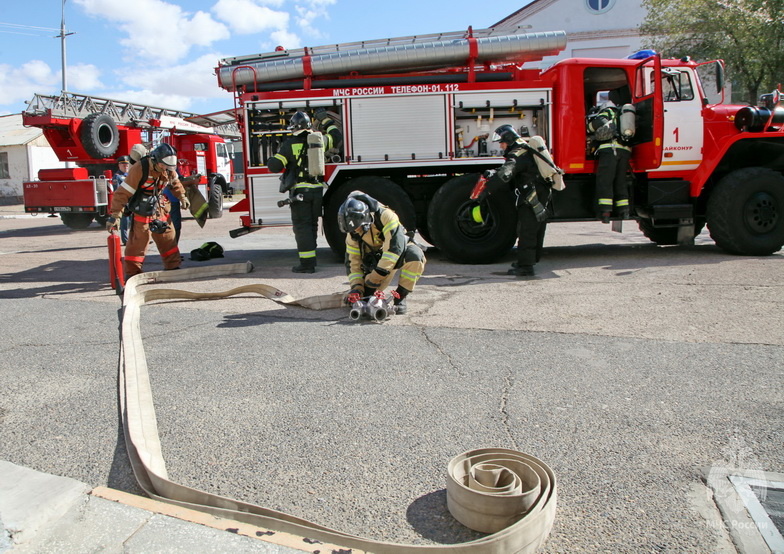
x=761, y=212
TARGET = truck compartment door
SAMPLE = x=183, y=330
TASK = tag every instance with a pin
x=647, y=99
x=388, y=128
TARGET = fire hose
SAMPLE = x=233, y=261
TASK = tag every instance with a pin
x=506, y=493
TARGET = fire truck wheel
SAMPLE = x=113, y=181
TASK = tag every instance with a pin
x=215, y=208
x=458, y=235
x=99, y=135
x=665, y=236
x=384, y=190
x=746, y=212
x=76, y=221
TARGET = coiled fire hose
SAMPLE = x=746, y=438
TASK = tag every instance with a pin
x=508, y=494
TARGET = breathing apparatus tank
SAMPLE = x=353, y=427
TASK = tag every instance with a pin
x=627, y=121
x=316, y=154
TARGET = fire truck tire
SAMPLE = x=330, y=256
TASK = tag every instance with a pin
x=746, y=212
x=76, y=221
x=215, y=201
x=462, y=239
x=99, y=135
x=385, y=191
x=664, y=236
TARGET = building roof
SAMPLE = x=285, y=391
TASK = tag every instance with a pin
x=514, y=16
x=14, y=133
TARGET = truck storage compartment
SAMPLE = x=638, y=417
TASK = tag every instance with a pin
x=63, y=174
x=389, y=128
x=65, y=195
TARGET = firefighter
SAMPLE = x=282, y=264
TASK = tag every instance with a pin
x=613, y=154
x=305, y=190
x=123, y=165
x=142, y=192
x=532, y=192
x=377, y=247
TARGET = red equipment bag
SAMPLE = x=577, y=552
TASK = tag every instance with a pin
x=116, y=274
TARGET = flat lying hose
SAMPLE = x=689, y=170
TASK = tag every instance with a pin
x=487, y=489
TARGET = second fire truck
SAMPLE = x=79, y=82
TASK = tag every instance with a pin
x=91, y=133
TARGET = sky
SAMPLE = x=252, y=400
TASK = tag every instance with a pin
x=163, y=52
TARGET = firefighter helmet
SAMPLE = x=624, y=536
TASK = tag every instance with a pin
x=165, y=154
x=506, y=134
x=352, y=214
x=299, y=122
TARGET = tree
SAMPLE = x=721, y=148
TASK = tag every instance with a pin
x=747, y=34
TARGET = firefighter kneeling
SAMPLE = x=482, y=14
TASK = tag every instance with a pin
x=142, y=191
x=377, y=246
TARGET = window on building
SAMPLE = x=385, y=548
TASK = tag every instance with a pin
x=4, y=172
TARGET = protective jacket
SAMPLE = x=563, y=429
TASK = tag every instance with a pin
x=521, y=174
x=292, y=157
x=613, y=154
x=374, y=256
x=147, y=203
x=306, y=191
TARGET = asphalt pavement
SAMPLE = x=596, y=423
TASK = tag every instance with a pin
x=630, y=369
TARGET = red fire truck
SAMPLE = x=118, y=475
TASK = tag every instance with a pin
x=92, y=132
x=416, y=113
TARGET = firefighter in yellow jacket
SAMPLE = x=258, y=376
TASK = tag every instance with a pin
x=377, y=247
x=142, y=192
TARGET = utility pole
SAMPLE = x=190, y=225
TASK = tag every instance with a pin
x=62, y=36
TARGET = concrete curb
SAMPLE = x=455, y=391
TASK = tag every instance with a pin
x=44, y=513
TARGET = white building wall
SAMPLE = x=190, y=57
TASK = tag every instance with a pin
x=594, y=28
x=24, y=161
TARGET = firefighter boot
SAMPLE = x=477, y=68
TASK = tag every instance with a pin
x=306, y=265
x=400, y=300
x=520, y=270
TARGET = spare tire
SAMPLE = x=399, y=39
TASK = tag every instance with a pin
x=99, y=135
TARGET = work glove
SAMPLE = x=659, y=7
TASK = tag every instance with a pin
x=191, y=180
x=184, y=203
x=488, y=174
x=112, y=224
x=320, y=114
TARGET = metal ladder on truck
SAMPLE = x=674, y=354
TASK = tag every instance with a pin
x=72, y=105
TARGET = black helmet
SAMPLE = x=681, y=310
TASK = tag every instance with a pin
x=166, y=154
x=299, y=122
x=506, y=133
x=353, y=213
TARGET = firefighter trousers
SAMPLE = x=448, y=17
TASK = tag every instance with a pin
x=305, y=215
x=612, y=188
x=530, y=236
x=411, y=270
x=139, y=239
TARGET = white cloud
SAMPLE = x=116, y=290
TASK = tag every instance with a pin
x=83, y=77
x=285, y=39
x=183, y=85
x=21, y=83
x=157, y=31
x=311, y=10
x=248, y=16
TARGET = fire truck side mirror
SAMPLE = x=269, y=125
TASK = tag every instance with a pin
x=719, y=77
